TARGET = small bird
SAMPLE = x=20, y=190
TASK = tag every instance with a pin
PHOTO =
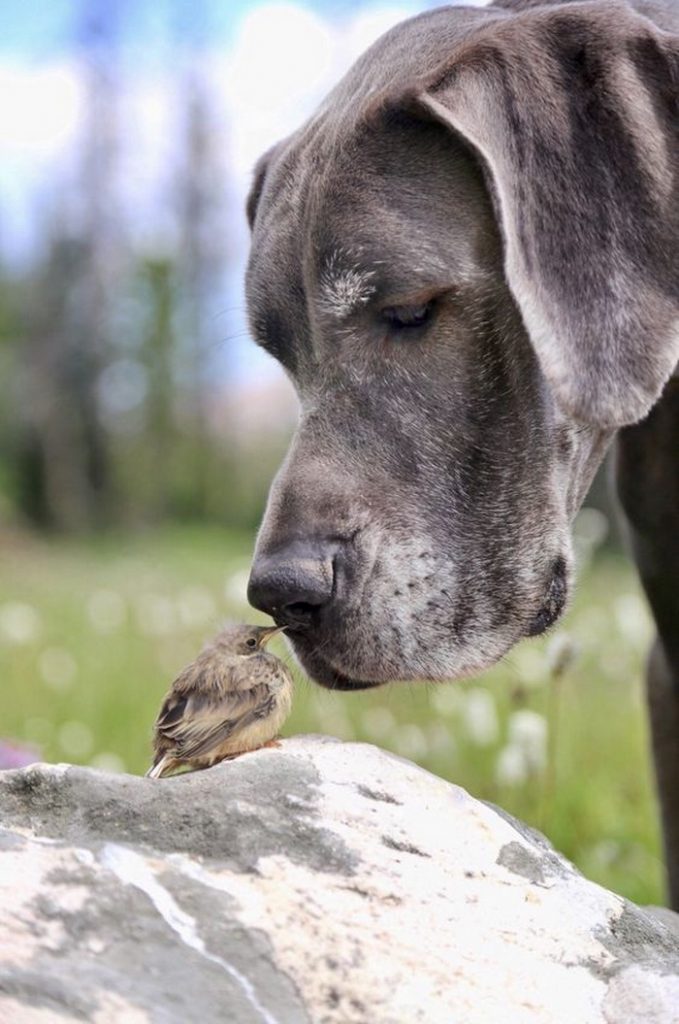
x=233, y=698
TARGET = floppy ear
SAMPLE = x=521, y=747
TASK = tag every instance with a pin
x=252, y=201
x=574, y=113
x=258, y=178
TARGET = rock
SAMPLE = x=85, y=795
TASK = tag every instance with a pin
x=319, y=882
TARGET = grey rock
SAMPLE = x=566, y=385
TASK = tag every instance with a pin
x=318, y=882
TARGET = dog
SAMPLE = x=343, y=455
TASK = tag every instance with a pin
x=467, y=261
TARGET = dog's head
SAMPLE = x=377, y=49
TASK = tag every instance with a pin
x=466, y=261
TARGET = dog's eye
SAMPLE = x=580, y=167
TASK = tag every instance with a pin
x=407, y=317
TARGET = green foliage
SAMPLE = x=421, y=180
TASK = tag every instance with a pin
x=113, y=371
x=91, y=634
x=130, y=430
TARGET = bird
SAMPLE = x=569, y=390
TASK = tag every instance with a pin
x=232, y=699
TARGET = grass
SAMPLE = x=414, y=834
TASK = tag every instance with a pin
x=91, y=634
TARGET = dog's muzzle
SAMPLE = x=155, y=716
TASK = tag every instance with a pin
x=554, y=601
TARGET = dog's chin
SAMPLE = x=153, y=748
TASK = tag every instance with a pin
x=321, y=671
x=320, y=661
x=332, y=678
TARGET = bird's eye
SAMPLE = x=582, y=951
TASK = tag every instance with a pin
x=403, y=318
x=251, y=642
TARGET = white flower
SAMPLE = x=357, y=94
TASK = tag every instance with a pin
x=19, y=622
x=156, y=615
x=633, y=620
x=562, y=652
x=378, y=723
x=530, y=666
x=606, y=852
x=75, y=739
x=591, y=625
x=106, y=610
x=589, y=532
x=440, y=740
x=57, y=668
x=334, y=721
x=196, y=607
x=528, y=733
x=511, y=768
x=236, y=586
x=447, y=700
x=108, y=762
x=591, y=527
x=480, y=717
x=410, y=741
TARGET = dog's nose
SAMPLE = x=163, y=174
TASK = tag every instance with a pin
x=293, y=583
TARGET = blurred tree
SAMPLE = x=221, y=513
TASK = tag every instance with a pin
x=158, y=349
x=101, y=244
x=113, y=361
x=63, y=463
x=16, y=445
x=201, y=195
x=60, y=463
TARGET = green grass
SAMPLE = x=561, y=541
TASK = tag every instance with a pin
x=91, y=634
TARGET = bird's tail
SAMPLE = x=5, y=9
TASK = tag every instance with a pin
x=160, y=767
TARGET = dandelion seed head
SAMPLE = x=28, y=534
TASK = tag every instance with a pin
x=58, y=668
x=511, y=768
x=480, y=717
x=19, y=623
x=106, y=610
x=75, y=739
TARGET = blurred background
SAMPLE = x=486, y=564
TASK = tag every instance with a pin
x=139, y=427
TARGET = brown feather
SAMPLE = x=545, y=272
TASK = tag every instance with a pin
x=222, y=704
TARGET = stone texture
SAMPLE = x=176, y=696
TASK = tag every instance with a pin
x=320, y=882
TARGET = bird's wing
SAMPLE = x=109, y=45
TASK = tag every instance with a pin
x=193, y=680
x=197, y=723
x=170, y=713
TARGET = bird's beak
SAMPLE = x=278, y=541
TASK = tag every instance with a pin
x=268, y=634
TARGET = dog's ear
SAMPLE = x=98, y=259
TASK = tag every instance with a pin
x=258, y=177
x=574, y=114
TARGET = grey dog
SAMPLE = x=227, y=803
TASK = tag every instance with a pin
x=468, y=262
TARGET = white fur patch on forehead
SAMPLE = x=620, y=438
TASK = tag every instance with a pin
x=344, y=288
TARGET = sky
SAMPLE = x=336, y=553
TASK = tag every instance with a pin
x=40, y=28
x=43, y=28
x=270, y=63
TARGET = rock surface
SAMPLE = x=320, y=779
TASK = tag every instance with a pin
x=320, y=882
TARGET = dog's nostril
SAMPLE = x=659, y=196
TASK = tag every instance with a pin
x=293, y=583
x=298, y=615
x=299, y=610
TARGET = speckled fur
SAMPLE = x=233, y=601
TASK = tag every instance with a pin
x=446, y=467
x=228, y=701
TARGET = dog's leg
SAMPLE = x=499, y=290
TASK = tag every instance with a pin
x=648, y=486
